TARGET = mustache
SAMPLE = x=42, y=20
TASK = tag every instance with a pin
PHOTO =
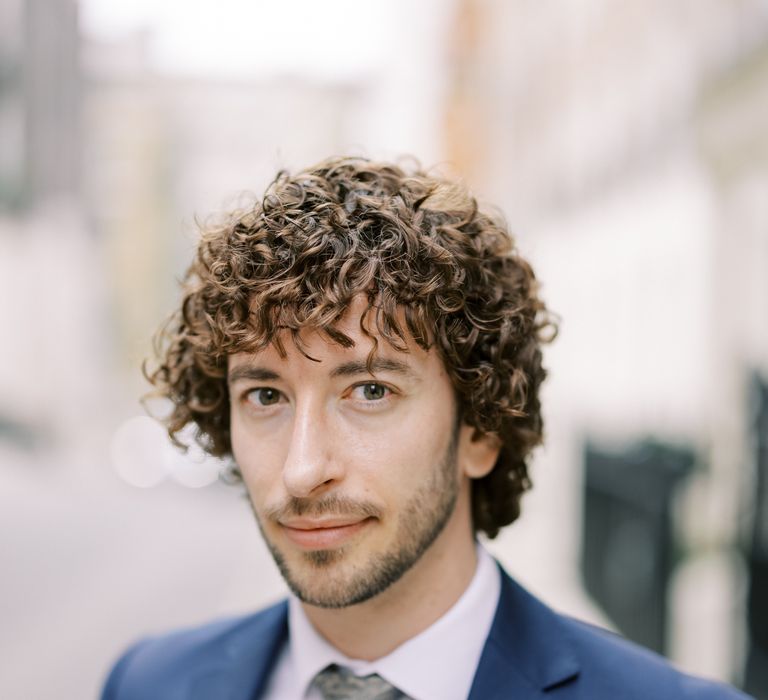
x=329, y=505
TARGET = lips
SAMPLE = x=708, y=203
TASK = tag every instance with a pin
x=322, y=534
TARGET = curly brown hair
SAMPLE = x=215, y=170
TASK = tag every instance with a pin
x=409, y=241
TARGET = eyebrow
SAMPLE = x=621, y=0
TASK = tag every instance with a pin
x=347, y=369
x=259, y=374
x=379, y=364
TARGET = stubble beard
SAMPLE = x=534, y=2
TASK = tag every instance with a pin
x=421, y=521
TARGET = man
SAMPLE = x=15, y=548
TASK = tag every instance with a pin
x=365, y=344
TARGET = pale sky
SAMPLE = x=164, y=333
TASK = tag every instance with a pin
x=328, y=39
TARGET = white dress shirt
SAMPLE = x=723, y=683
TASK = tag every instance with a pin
x=437, y=664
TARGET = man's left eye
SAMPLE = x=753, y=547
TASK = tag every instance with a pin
x=372, y=391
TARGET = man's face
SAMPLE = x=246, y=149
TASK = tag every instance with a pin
x=352, y=476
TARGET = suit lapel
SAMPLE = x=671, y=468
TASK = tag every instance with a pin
x=527, y=651
x=240, y=668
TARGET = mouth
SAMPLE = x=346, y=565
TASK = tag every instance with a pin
x=322, y=534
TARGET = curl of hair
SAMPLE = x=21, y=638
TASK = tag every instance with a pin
x=414, y=244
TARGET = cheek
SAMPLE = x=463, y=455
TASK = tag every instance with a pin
x=397, y=458
x=258, y=460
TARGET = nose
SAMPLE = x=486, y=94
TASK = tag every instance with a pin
x=310, y=464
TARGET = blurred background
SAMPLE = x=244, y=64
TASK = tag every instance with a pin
x=627, y=145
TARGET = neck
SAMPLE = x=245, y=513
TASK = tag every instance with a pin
x=375, y=628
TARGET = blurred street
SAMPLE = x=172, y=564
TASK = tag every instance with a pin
x=90, y=564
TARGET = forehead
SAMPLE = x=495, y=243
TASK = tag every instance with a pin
x=317, y=349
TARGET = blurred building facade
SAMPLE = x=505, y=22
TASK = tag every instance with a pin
x=625, y=141
x=39, y=110
x=44, y=242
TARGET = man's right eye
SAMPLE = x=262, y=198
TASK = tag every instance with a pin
x=264, y=396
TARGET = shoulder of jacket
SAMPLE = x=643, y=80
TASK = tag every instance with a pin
x=177, y=653
x=631, y=671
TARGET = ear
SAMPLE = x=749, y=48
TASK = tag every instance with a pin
x=477, y=452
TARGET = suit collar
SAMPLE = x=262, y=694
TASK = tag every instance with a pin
x=240, y=668
x=528, y=649
x=447, y=650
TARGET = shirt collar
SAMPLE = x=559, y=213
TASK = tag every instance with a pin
x=437, y=664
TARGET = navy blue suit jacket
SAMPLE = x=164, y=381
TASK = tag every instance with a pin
x=531, y=652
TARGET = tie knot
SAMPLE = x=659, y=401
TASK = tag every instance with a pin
x=338, y=683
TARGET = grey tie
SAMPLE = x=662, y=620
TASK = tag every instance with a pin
x=338, y=683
